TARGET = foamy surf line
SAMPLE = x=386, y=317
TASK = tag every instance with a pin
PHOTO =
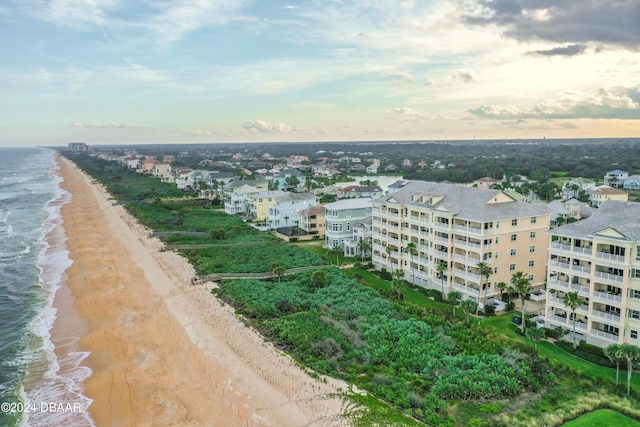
x=52, y=391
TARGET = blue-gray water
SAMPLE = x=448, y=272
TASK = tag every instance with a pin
x=33, y=260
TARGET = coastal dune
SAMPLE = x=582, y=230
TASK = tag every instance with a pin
x=164, y=352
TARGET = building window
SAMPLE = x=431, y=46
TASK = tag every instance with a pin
x=495, y=255
x=635, y=273
x=530, y=277
x=497, y=240
x=534, y=220
x=512, y=267
x=532, y=235
x=532, y=249
x=514, y=237
x=514, y=222
x=635, y=293
x=513, y=252
x=634, y=314
x=633, y=334
x=495, y=270
x=532, y=263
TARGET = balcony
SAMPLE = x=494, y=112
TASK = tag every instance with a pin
x=467, y=274
x=441, y=240
x=609, y=257
x=603, y=315
x=538, y=296
x=556, y=245
x=441, y=254
x=466, y=229
x=465, y=289
x=558, y=264
x=605, y=296
x=556, y=319
x=605, y=335
x=441, y=225
x=559, y=284
x=586, y=251
x=393, y=215
x=609, y=277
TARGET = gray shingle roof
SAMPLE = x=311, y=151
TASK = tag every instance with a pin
x=466, y=202
x=621, y=216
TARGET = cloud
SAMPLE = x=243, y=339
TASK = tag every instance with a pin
x=408, y=113
x=613, y=23
x=401, y=76
x=258, y=126
x=599, y=105
x=569, y=50
x=464, y=76
x=111, y=125
x=176, y=18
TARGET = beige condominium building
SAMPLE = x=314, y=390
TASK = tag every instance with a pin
x=460, y=227
x=599, y=258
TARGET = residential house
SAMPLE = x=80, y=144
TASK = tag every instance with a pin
x=572, y=187
x=599, y=195
x=162, y=171
x=459, y=227
x=486, y=182
x=341, y=217
x=237, y=195
x=599, y=258
x=615, y=178
x=312, y=220
x=632, y=183
x=259, y=204
x=372, y=168
x=362, y=231
x=370, y=191
x=285, y=211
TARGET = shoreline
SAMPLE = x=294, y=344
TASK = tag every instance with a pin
x=164, y=352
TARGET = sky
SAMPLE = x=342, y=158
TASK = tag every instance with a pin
x=170, y=71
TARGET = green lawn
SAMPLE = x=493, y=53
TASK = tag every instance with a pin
x=503, y=327
x=603, y=418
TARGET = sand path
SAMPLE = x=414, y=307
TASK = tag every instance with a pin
x=164, y=352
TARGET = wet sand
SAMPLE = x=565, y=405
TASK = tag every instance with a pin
x=164, y=352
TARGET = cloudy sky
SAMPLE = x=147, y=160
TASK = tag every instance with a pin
x=145, y=71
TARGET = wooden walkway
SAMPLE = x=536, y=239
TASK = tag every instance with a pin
x=267, y=275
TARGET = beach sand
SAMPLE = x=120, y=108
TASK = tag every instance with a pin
x=164, y=352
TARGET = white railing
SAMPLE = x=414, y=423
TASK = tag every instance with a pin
x=582, y=250
x=557, y=319
x=393, y=215
x=607, y=296
x=581, y=269
x=558, y=264
x=540, y=296
x=441, y=225
x=559, y=284
x=443, y=255
x=609, y=257
x=556, y=245
x=607, y=276
x=607, y=316
x=605, y=335
x=465, y=289
x=441, y=239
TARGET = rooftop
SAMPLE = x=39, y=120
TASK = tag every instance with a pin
x=620, y=216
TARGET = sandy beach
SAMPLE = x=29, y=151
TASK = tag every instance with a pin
x=164, y=352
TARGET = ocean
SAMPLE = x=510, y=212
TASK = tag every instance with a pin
x=41, y=370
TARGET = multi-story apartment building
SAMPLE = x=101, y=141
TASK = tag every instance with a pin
x=598, y=257
x=459, y=227
x=341, y=217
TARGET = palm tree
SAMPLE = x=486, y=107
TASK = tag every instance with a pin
x=631, y=354
x=535, y=335
x=468, y=306
x=572, y=301
x=412, y=249
x=335, y=251
x=454, y=298
x=520, y=285
x=388, y=249
x=276, y=269
x=364, y=246
x=484, y=270
x=501, y=286
x=396, y=283
x=614, y=354
x=441, y=268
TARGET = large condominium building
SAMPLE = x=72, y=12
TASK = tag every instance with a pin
x=598, y=257
x=459, y=227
